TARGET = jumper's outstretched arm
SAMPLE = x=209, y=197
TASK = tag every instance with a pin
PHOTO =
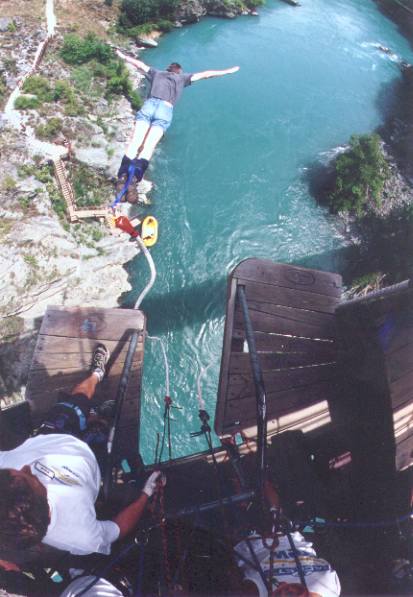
x=209, y=74
x=134, y=61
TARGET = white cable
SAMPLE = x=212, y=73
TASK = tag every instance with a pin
x=165, y=358
x=200, y=399
x=153, y=272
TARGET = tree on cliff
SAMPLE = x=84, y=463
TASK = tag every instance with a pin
x=137, y=12
x=360, y=174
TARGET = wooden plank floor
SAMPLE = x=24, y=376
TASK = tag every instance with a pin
x=63, y=355
x=292, y=314
x=378, y=333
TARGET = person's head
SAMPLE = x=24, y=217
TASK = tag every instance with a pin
x=174, y=67
x=24, y=510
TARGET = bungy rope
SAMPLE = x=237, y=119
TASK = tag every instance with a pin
x=151, y=267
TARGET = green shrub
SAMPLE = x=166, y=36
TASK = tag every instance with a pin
x=361, y=172
x=139, y=30
x=24, y=202
x=3, y=87
x=87, y=186
x=31, y=260
x=164, y=25
x=26, y=102
x=135, y=100
x=252, y=4
x=83, y=77
x=45, y=174
x=12, y=27
x=64, y=92
x=10, y=65
x=8, y=184
x=50, y=129
x=76, y=50
x=38, y=86
x=138, y=12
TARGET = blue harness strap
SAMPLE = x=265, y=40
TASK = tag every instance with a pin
x=131, y=172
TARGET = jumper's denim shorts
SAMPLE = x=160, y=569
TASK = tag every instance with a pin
x=156, y=112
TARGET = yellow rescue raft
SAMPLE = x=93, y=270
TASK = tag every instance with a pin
x=149, y=231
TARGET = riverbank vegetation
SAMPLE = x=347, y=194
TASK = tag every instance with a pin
x=97, y=65
x=140, y=17
x=360, y=175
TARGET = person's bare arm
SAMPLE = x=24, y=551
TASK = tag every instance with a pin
x=128, y=518
x=134, y=61
x=209, y=74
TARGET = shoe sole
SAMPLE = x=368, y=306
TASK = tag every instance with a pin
x=107, y=351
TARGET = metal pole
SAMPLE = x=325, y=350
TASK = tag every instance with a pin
x=123, y=386
x=259, y=392
x=206, y=507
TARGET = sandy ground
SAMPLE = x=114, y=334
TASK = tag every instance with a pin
x=80, y=16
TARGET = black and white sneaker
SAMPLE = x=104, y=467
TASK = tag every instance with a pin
x=100, y=359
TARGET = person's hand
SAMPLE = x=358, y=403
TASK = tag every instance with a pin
x=155, y=479
x=234, y=69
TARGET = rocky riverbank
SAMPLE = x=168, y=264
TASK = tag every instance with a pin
x=401, y=13
x=44, y=259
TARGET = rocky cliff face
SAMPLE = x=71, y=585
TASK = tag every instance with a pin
x=401, y=13
x=44, y=259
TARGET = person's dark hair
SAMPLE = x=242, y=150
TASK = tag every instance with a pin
x=174, y=67
x=24, y=515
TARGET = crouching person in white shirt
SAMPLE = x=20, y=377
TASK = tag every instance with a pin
x=49, y=484
x=280, y=577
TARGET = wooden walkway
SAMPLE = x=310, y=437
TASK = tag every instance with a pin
x=292, y=314
x=62, y=359
x=68, y=194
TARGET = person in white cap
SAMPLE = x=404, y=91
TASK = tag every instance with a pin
x=253, y=557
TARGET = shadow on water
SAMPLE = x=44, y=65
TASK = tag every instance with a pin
x=196, y=303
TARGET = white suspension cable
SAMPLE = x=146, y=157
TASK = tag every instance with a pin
x=153, y=272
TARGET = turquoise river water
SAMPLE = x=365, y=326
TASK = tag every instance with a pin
x=230, y=174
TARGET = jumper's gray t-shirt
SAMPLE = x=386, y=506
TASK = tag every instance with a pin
x=167, y=86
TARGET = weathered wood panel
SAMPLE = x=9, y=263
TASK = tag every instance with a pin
x=75, y=353
x=242, y=413
x=63, y=355
x=288, y=276
x=241, y=362
x=295, y=322
x=100, y=324
x=289, y=297
x=242, y=385
x=377, y=334
x=292, y=315
x=271, y=342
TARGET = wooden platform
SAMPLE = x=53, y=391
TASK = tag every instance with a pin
x=377, y=333
x=292, y=313
x=63, y=354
